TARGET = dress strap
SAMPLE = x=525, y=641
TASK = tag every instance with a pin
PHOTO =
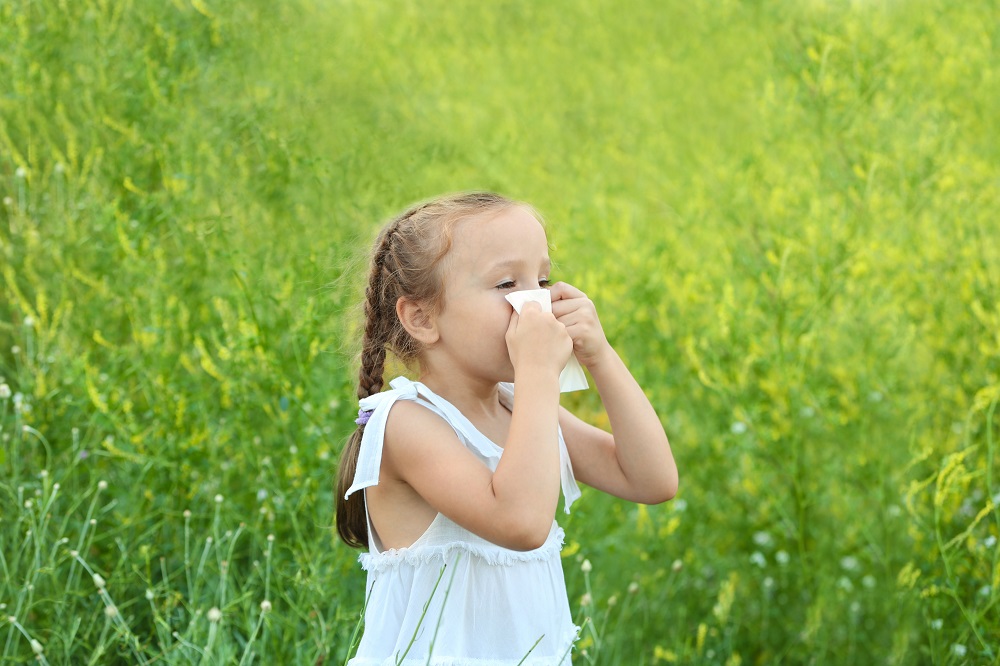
x=370, y=451
x=462, y=425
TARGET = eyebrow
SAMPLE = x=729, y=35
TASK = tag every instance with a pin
x=514, y=263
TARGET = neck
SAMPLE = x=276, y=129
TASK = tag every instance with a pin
x=470, y=395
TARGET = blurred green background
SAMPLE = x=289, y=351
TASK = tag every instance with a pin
x=786, y=213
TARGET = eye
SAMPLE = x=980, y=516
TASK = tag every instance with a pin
x=507, y=284
x=544, y=283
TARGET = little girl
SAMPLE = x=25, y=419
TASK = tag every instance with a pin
x=462, y=470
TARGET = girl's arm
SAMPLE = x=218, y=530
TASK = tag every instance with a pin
x=634, y=461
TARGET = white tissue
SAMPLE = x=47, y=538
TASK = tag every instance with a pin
x=572, y=377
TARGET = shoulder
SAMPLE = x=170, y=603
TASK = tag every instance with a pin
x=422, y=450
x=409, y=417
x=412, y=427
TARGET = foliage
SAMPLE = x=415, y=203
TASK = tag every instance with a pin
x=785, y=212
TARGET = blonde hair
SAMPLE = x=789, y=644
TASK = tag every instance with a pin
x=405, y=263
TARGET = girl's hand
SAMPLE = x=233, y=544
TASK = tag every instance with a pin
x=577, y=312
x=535, y=339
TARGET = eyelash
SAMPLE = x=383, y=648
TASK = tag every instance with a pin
x=509, y=284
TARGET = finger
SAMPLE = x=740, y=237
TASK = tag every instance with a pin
x=584, y=306
x=575, y=318
x=531, y=306
x=563, y=290
x=512, y=326
x=577, y=329
x=567, y=305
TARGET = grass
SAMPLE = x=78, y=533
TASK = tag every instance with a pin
x=785, y=212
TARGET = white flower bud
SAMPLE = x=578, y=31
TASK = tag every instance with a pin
x=214, y=615
x=265, y=606
x=99, y=581
x=36, y=647
x=586, y=567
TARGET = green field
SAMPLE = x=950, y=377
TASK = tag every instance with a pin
x=787, y=213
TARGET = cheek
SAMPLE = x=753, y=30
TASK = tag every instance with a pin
x=504, y=312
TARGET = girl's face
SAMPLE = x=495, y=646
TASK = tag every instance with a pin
x=491, y=256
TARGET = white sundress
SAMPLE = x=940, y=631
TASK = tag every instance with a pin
x=453, y=598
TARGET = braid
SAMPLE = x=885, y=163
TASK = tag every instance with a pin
x=374, y=339
x=379, y=311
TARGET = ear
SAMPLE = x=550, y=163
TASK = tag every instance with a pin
x=418, y=321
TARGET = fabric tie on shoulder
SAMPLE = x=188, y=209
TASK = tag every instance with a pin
x=370, y=451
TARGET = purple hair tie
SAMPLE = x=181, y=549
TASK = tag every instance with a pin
x=363, y=416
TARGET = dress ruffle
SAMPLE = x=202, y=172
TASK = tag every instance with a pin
x=489, y=554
